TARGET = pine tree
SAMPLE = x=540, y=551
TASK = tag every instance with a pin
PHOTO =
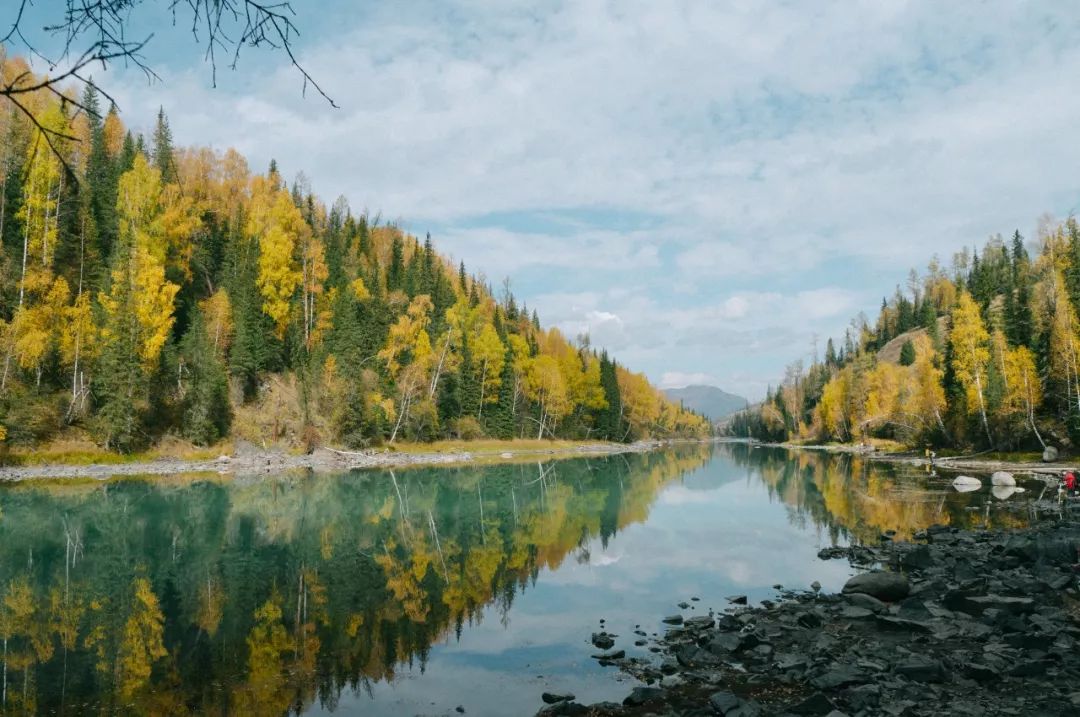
x=120, y=383
x=127, y=154
x=395, y=274
x=907, y=354
x=610, y=424
x=830, y=354
x=206, y=412
x=500, y=420
x=163, y=157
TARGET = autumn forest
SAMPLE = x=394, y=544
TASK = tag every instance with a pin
x=982, y=355
x=151, y=290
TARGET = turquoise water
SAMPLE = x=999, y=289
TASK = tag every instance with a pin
x=412, y=592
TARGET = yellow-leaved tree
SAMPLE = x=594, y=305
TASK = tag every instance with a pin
x=970, y=343
x=277, y=225
x=490, y=355
x=409, y=357
x=141, y=298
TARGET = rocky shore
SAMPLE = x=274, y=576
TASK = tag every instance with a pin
x=250, y=461
x=953, y=623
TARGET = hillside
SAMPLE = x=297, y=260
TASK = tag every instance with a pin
x=151, y=292
x=710, y=401
x=990, y=364
x=890, y=352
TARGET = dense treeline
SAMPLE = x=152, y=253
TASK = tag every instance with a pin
x=149, y=290
x=986, y=355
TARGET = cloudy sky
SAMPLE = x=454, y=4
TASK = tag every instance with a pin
x=703, y=187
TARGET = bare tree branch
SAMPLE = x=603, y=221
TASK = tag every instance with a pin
x=221, y=25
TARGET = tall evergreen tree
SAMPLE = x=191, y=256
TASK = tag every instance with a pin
x=163, y=157
x=206, y=412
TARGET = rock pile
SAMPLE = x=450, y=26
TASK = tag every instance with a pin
x=956, y=623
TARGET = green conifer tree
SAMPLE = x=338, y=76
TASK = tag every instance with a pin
x=206, y=411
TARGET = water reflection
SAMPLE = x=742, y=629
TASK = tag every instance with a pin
x=207, y=595
x=314, y=593
x=860, y=499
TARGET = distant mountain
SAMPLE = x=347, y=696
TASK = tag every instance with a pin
x=709, y=401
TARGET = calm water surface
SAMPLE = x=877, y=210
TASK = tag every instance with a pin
x=414, y=592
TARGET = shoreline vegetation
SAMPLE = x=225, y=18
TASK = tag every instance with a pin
x=246, y=459
x=984, y=462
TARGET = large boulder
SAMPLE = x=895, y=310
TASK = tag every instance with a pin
x=966, y=484
x=885, y=586
x=1003, y=478
x=1050, y=454
x=644, y=695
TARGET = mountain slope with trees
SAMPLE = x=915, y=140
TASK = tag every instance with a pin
x=150, y=291
x=989, y=358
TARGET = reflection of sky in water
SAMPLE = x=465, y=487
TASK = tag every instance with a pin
x=714, y=534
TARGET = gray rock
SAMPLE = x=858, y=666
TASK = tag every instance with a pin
x=981, y=673
x=730, y=705
x=568, y=709
x=724, y=702
x=673, y=620
x=1002, y=478
x=839, y=676
x=922, y=669
x=919, y=558
x=703, y=622
x=862, y=697
x=816, y=704
x=899, y=624
x=851, y=612
x=727, y=623
x=553, y=697
x=616, y=655
x=603, y=640
x=1050, y=454
x=980, y=604
x=643, y=695
x=885, y=586
x=791, y=661
x=737, y=599
x=867, y=601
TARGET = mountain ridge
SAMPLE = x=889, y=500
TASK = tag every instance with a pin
x=710, y=401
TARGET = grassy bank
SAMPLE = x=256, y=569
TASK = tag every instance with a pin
x=67, y=461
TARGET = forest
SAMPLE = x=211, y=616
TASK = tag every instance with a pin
x=983, y=355
x=150, y=291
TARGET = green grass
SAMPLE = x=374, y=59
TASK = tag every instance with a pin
x=84, y=453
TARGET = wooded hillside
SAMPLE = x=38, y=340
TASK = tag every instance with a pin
x=149, y=290
x=990, y=357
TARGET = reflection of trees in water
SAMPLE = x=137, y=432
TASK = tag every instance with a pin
x=260, y=598
x=853, y=498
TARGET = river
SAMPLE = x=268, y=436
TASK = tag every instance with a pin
x=417, y=591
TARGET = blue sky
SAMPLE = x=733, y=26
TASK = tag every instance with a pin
x=703, y=187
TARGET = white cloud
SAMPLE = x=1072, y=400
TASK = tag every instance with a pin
x=783, y=165
x=679, y=379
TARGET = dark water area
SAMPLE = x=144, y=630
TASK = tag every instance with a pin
x=415, y=592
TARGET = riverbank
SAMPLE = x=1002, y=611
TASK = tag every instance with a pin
x=954, y=623
x=973, y=463
x=247, y=459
